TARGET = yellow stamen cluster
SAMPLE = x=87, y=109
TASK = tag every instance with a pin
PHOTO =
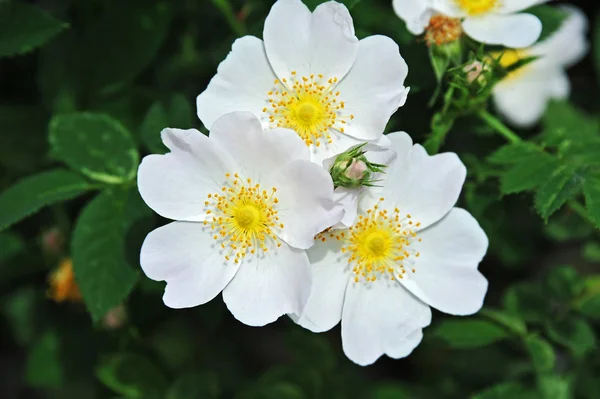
x=243, y=217
x=443, y=30
x=478, y=7
x=309, y=105
x=379, y=245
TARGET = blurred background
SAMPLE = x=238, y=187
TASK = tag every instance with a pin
x=142, y=63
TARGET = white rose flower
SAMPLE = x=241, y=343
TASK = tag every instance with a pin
x=487, y=21
x=311, y=74
x=247, y=203
x=409, y=250
x=522, y=96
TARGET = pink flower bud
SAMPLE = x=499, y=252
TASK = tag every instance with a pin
x=356, y=170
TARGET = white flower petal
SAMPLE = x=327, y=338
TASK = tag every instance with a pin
x=514, y=30
x=242, y=82
x=449, y=8
x=185, y=256
x=446, y=275
x=379, y=318
x=175, y=185
x=511, y=6
x=340, y=142
x=401, y=144
x=426, y=187
x=374, y=88
x=321, y=43
x=416, y=14
x=347, y=198
x=269, y=285
x=257, y=152
x=522, y=99
x=568, y=45
x=306, y=205
x=330, y=278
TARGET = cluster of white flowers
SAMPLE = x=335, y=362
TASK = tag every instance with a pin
x=523, y=95
x=256, y=214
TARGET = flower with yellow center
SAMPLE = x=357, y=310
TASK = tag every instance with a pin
x=246, y=204
x=522, y=96
x=500, y=22
x=409, y=250
x=312, y=75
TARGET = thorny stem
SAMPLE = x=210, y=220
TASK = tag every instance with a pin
x=236, y=25
x=511, y=136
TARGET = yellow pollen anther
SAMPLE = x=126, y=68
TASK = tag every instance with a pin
x=307, y=105
x=245, y=216
x=378, y=246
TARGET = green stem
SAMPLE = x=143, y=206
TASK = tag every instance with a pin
x=236, y=25
x=498, y=126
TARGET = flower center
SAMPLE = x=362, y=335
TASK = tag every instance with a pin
x=247, y=216
x=308, y=105
x=477, y=7
x=243, y=217
x=379, y=245
x=442, y=30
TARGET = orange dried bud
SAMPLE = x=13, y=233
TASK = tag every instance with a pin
x=442, y=30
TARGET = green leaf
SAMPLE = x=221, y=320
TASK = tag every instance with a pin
x=470, y=333
x=563, y=123
x=20, y=313
x=176, y=113
x=588, y=302
x=590, y=306
x=25, y=27
x=281, y=390
x=529, y=174
x=564, y=283
x=574, y=333
x=591, y=251
x=390, y=391
x=34, y=192
x=507, y=320
x=103, y=272
x=96, y=145
x=528, y=301
x=132, y=376
x=10, y=245
x=561, y=186
x=137, y=32
x=551, y=17
x=514, y=153
x=505, y=390
x=591, y=191
x=541, y=352
x=195, y=385
x=44, y=368
x=554, y=387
